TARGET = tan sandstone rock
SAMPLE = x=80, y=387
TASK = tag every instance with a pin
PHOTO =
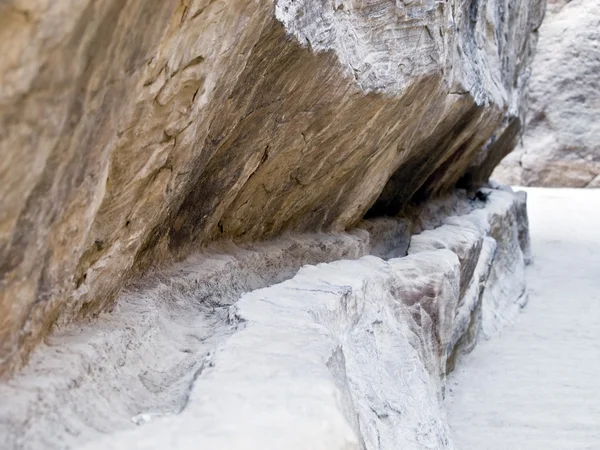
x=136, y=132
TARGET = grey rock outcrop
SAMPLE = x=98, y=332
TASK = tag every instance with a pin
x=136, y=133
x=351, y=354
x=561, y=144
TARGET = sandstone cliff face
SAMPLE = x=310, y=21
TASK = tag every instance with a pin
x=561, y=145
x=137, y=132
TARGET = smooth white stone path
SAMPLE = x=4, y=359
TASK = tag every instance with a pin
x=537, y=386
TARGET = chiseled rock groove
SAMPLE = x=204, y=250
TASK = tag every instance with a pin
x=134, y=133
x=347, y=354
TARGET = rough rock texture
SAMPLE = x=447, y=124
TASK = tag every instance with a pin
x=348, y=354
x=561, y=145
x=141, y=358
x=133, y=133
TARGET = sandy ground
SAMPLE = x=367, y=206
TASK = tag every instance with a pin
x=537, y=386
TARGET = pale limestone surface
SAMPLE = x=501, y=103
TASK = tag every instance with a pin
x=561, y=144
x=136, y=132
x=536, y=385
x=347, y=354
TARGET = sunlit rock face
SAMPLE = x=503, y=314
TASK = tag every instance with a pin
x=561, y=145
x=137, y=132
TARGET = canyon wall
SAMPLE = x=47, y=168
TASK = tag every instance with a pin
x=561, y=144
x=136, y=133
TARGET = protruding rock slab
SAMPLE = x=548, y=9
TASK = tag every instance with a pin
x=133, y=133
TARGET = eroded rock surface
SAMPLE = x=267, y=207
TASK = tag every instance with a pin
x=346, y=354
x=561, y=145
x=134, y=133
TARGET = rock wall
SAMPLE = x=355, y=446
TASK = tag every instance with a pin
x=135, y=133
x=561, y=144
x=349, y=354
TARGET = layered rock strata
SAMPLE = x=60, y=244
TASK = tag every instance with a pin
x=347, y=354
x=561, y=144
x=136, y=133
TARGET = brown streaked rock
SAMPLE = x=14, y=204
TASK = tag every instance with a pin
x=137, y=132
